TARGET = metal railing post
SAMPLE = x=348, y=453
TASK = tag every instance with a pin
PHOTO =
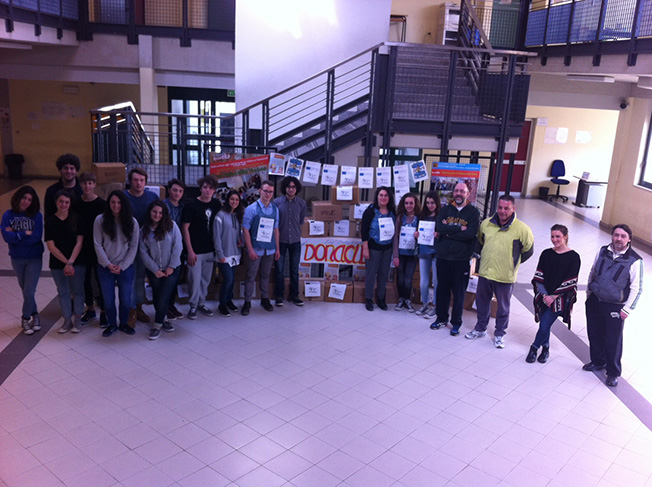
x=113, y=138
x=245, y=129
x=389, y=101
x=265, y=123
x=448, y=108
x=185, y=34
x=132, y=36
x=369, y=136
x=328, y=129
x=598, y=32
x=632, y=55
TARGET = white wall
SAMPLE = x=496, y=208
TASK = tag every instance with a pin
x=282, y=42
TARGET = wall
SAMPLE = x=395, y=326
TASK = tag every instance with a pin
x=47, y=123
x=283, y=42
x=626, y=202
x=594, y=156
x=421, y=20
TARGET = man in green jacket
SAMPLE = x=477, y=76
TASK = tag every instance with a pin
x=506, y=242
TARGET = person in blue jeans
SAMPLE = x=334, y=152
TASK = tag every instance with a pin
x=115, y=236
x=428, y=257
x=292, y=214
x=160, y=250
x=227, y=238
x=405, y=249
x=64, y=236
x=555, y=290
x=22, y=229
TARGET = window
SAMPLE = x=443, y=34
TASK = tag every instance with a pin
x=646, y=169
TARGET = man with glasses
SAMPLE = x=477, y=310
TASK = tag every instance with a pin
x=292, y=214
x=261, y=236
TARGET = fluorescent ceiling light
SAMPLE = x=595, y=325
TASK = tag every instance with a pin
x=590, y=77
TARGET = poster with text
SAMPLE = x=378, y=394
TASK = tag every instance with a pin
x=383, y=176
x=294, y=167
x=445, y=175
x=241, y=172
x=329, y=174
x=276, y=165
x=311, y=172
x=366, y=177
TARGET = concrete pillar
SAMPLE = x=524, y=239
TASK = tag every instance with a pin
x=148, y=91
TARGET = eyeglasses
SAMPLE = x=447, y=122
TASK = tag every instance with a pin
x=268, y=191
x=292, y=187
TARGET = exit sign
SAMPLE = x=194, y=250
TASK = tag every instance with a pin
x=230, y=93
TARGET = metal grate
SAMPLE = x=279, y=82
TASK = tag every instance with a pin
x=164, y=13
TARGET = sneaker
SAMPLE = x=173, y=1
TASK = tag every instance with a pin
x=438, y=324
x=192, y=314
x=104, y=322
x=109, y=330
x=423, y=309
x=382, y=304
x=267, y=306
x=167, y=326
x=297, y=301
x=154, y=333
x=279, y=302
x=127, y=330
x=27, y=329
x=369, y=305
x=499, y=342
x=173, y=309
x=246, y=308
x=75, y=327
x=170, y=315
x=408, y=305
x=399, y=306
x=231, y=306
x=141, y=315
x=36, y=323
x=223, y=310
x=455, y=330
x=473, y=334
x=65, y=328
x=87, y=317
x=204, y=310
x=430, y=314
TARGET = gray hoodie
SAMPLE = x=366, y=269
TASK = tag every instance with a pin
x=227, y=232
x=158, y=255
x=120, y=251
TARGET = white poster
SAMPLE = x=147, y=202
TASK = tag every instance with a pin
x=401, y=178
x=426, y=233
x=419, y=172
x=276, y=165
x=383, y=176
x=366, y=177
x=311, y=172
x=337, y=291
x=294, y=168
x=316, y=228
x=347, y=178
x=312, y=289
x=341, y=228
x=329, y=175
x=345, y=193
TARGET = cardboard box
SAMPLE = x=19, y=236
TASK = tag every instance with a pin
x=348, y=295
x=494, y=307
x=326, y=211
x=391, y=293
x=158, y=190
x=355, y=197
x=104, y=190
x=302, y=289
x=469, y=299
x=110, y=172
x=351, y=225
x=359, y=292
x=356, y=211
x=305, y=229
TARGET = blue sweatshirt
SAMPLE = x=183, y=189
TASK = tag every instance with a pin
x=21, y=245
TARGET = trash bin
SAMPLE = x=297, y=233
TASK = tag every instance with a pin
x=14, y=165
x=543, y=192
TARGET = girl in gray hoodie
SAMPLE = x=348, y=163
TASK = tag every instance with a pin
x=160, y=250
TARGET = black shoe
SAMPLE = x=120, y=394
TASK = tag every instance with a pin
x=127, y=330
x=104, y=321
x=381, y=304
x=88, y=316
x=297, y=301
x=545, y=353
x=369, y=305
x=246, y=308
x=590, y=367
x=279, y=302
x=612, y=381
x=109, y=330
x=173, y=309
x=436, y=325
x=223, y=310
x=167, y=326
x=532, y=355
x=231, y=306
x=203, y=309
x=267, y=306
x=154, y=333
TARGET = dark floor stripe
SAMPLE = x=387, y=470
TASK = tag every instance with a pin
x=11, y=273
x=625, y=392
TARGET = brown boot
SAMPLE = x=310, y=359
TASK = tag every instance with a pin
x=141, y=315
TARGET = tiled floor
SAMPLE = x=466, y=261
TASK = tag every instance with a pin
x=325, y=395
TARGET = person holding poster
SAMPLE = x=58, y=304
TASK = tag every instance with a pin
x=377, y=232
x=261, y=236
x=457, y=225
x=292, y=214
x=428, y=253
x=405, y=248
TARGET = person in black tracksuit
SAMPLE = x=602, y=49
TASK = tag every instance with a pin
x=457, y=225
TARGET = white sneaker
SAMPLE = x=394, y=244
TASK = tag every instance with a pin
x=473, y=334
x=430, y=314
x=399, y=306
x=407, y=304
x=422, y=310
x=499, y=342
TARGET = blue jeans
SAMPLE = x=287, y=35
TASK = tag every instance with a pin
x=67, y=285
x=487, y=288
x=226, y=289
x=162, y=288
x=547, y=318
x=125, y=282
x=27, y=272
x=404, y=274
x=427, y=265
x=294, y=249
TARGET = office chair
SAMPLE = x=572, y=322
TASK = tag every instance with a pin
x=558, y=170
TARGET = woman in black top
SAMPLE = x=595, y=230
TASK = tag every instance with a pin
x=64, y=236
x=555, y=289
